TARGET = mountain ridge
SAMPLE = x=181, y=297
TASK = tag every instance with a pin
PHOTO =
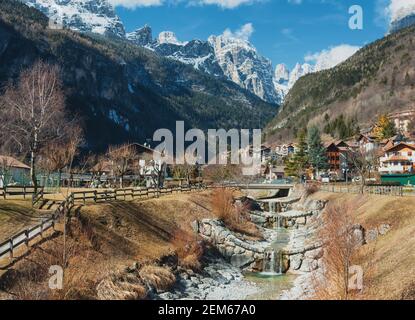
x=121, y=91
x=379, y=78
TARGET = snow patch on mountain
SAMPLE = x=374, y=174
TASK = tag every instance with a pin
x=170, y=38
x=241, y=63
x=96, y=16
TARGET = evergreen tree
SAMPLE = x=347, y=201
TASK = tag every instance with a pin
x=297, y=163
x=316, y=151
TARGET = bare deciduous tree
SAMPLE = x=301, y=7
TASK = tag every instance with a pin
x=363, y=162
x=121, y=158
x=32, y=111
x=342, y=238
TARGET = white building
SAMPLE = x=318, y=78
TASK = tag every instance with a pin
x=399, y=159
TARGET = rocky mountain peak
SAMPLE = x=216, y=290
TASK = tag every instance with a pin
x=169, y=37
x=281, y=74
x=142, y=36
x=96, y=16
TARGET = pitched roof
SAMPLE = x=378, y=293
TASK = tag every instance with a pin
x=12, y=162
x=401, y=145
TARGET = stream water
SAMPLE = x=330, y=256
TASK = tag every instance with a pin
x=271, y=282
x=269, y=287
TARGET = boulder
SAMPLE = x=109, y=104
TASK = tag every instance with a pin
x=371, y=235
x=359, y=235
x=241, y=260
x=195, y=226
x=309, y=265
x=296, y=260
x=383, y=229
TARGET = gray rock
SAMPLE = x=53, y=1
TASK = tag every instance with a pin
x=383, y=229
x=241, y=260
x=309, y=265
x=296, y=260
x=371, y=235
x=359, y=235
x=195, y=226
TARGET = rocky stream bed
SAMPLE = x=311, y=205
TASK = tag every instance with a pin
x=280, y=266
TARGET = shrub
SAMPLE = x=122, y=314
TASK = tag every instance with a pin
x=234, y=216
x=121, y=286
x=189, y=249
x=161, y=278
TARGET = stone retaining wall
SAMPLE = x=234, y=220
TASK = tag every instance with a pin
x=240, y=253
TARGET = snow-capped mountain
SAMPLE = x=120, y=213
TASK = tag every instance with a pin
x=141, y=37
x=284, y=80
x=169, y=37
x=242, y=64
x=96, y=16
x=226, y=55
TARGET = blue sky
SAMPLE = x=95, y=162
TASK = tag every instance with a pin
x=285, y=31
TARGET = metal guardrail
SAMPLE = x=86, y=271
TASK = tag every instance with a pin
x=24, y=237
x=368, y=189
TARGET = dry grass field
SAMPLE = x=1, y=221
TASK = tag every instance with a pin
x=16, y=215
x=106, y=238
x=390, y=260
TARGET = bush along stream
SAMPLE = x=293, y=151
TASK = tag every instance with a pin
x=279, y=266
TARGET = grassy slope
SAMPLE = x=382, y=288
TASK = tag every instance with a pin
x=16, y=215
x=392, y=255
x=144, y=230
x=110, y=237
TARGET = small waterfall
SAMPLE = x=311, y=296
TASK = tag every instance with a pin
x=272, y=265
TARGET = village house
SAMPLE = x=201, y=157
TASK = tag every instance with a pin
x=13, y=171
x=274, y=172
x=336, y=152
x=367, y=142
x=284, y=149
x=398, y=159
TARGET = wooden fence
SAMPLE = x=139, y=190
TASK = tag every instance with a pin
x=368, y=189
x=25, y=191
x=24, y=237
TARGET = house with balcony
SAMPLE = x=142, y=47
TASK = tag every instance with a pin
x=398, y=159
x=336, y=152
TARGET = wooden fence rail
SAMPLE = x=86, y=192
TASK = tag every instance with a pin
x=24, y=237
x=25, y=191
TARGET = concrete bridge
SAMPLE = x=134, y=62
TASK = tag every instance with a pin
x=264, y=186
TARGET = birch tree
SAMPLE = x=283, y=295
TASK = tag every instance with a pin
x=32, y=111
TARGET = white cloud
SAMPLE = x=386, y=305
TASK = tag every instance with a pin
x=243, y=32
x=393, y=10
x=331, y=57
x=132, y=4
x=399, y=9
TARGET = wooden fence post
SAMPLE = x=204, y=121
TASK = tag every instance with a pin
x=11, y=248
x=26, y=233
